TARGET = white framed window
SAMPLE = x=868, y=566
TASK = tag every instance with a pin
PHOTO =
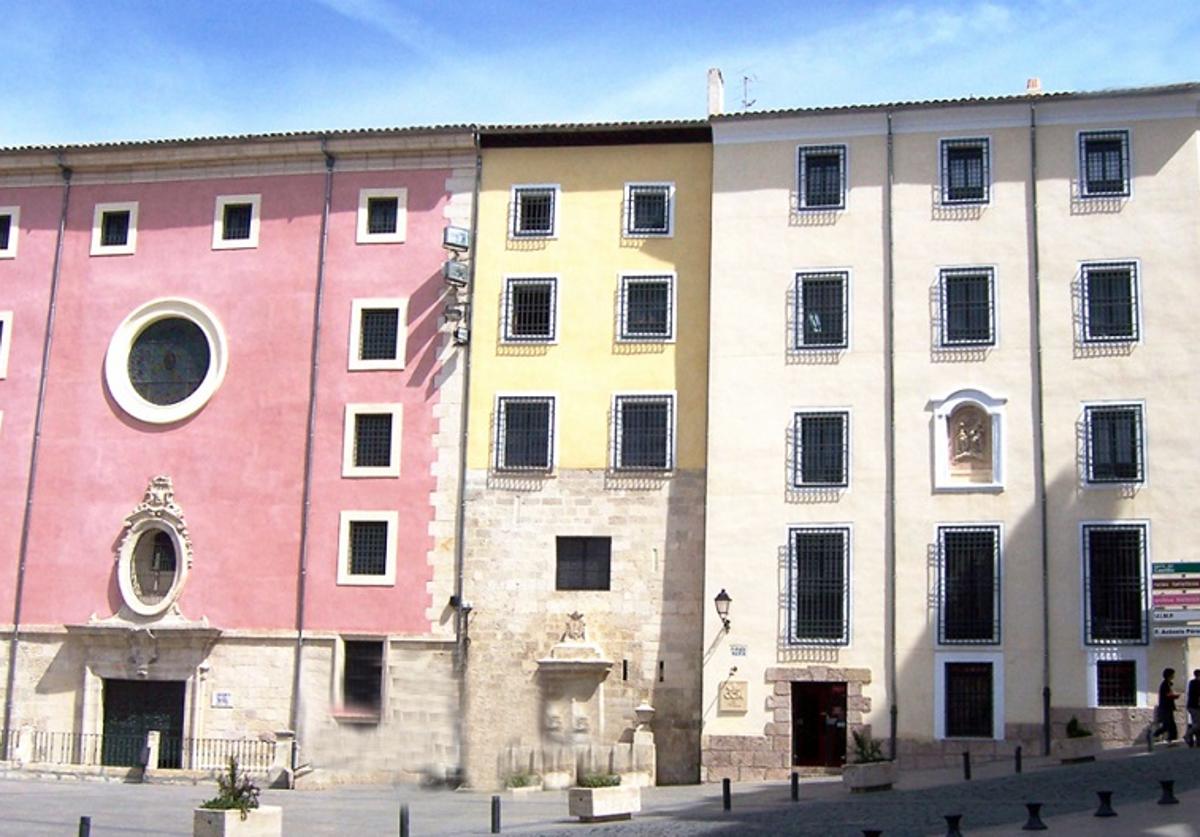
x=821, y=177
x=644, y=432
x=822, y=310
x=534, y=211
x=382, y=216
x=968, y=307
x=1104, y=164
x=10, y=228
x=821, y=441
x=1118, y=676
x=367, y=548
x=649, y=210
x=530, y=309
x=969, y=573
x=236, y=222
x=6, y=319
x=1114, y=582
x=968, y=442
x=1116, y=443
x=166, y=360
x=1111, y=303
x=968, y=694
x=819, y=585
x=114, y=229
x=525, y=432
x=966, y=171
x=647, y=312
x=378, y=333
x=371, y=440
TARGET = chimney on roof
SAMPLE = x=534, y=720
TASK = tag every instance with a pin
x=716, y=92
x=1033, y=86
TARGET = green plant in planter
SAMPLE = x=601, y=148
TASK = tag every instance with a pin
x=599, y=780
x=866, y=748
x=1076, y=729
x=523, y=779
x=235, y=792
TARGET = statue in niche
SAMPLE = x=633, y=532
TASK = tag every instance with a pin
x=970, y=442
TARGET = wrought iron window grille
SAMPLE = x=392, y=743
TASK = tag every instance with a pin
x=373, y=440
x=969, y=697
x=1115, y=443
x=1104, y=164
x=968, y=585
x=383, y=215
x=1116, y=683
x=1114, y=567
x=966, y=171
x=821, y=443
x=235, y=224
x=5, y=230
x=647, y=308
x=114, y=229
x=968, y=307
x=524, y=433
x=379, y=330
x=368, y=547
x=529, y=310
x=819, y=586
x=1110, y=302
x=533, y=212
x=644, y=433
x=822, y=311
x=648, y=210
x=822, y=177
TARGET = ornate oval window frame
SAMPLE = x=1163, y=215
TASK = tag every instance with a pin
x=116, y=361
x=156, y=513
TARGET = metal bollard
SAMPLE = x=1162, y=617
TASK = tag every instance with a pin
x=1017, y=758
x=495, y=815
x=726, y=795
x=795, y=786
x=952, y=821
x=1034, y=823
x=1106, y=808
x=967, y=765
x=1168, y=794
x=85, y=827
x=403, y=821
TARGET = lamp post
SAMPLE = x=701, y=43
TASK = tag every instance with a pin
x=722, y=602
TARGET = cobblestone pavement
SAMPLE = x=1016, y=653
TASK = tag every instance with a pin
x=992, y=803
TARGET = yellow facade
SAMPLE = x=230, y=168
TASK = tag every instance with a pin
x=588, y=253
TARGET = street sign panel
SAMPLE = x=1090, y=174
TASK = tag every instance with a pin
x=1172, y=569
x=1176, y=631
x=1175, y=599
x=1180, y=615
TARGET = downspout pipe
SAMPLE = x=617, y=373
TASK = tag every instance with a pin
x=309, y=445
x=1039, y=425
x=31, y=485
x=889, y=441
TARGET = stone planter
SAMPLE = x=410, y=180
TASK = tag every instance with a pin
x=263, y=821
x=869, y=776
x=1069, y=750
x=601, y=804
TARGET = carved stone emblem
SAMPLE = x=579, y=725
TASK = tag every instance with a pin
x=154, y=552
x=733, y=696
x=576, y=629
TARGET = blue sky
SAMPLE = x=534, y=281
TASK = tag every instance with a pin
x=90, y=71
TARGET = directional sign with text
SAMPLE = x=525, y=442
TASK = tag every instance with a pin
x=1176, y=568
x=1172, y=631
x=1180, y=615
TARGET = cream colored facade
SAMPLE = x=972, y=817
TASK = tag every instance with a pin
x=970, y=419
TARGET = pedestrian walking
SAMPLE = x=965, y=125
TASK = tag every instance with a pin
x=1193, y=709
x=1164, y=714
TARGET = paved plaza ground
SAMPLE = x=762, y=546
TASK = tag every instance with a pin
x=991, y=803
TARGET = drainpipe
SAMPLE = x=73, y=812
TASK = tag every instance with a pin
x=1039, y=426
x=23, y=553
x=889, y=440
x=313, y=378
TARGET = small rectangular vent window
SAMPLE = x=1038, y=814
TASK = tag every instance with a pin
x=236, y=221
x=114, y=229
x=382, y=215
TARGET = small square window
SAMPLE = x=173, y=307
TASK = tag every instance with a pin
x=367, y=548
x=114, y=229
x=647, y=308
x=969, y=585
x=1114, y=582
x=1110, y=302
x=1116, y=683
x=822, y=177
x=821, y=311
x=1104, y=164
x=822, y=445
x=529, y=310
x=382, y=216
x=377, y=333
x=583, y=563
x=645, y=429
x=819, y=563
x=533, y=211
x=1114, y=443
x=362, y=677
x=6, y=318
x=649, y=209
x=371, y=447
x=10, y=217
x=968, y=308
x=524, y=433
x=236, y=222
x=966, y=171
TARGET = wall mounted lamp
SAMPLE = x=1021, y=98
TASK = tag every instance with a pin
x=722, y=601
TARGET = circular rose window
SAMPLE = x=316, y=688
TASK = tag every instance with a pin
x=166, y=360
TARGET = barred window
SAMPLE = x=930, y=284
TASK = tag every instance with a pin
x=524, y=433
x=822, y=177
x=1104, y=163
x=235, y=224
x=968, y=307
x=362, y=675
x=647, y=308
x=529, y=310
x=1110, y=302
x=821, y=443
x=583, y=563
x=968, y=700
x=965, y=170
x=373, y=440
x=368, y=547
x=114, y=228
x=533, y=211
x=379, y=329
x=820, y=585
x=383, y=215
x=821, y=310
x=1114, y=558
x=648, y=209
x=969, y=588
x=645, y=426
x=6, y=223
x=1114, y=443
x=1116, y=683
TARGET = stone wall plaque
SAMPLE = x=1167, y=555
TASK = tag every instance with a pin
x=733, y=696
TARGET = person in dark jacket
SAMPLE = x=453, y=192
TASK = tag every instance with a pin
x=1193, y=709
x=1164, y=715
